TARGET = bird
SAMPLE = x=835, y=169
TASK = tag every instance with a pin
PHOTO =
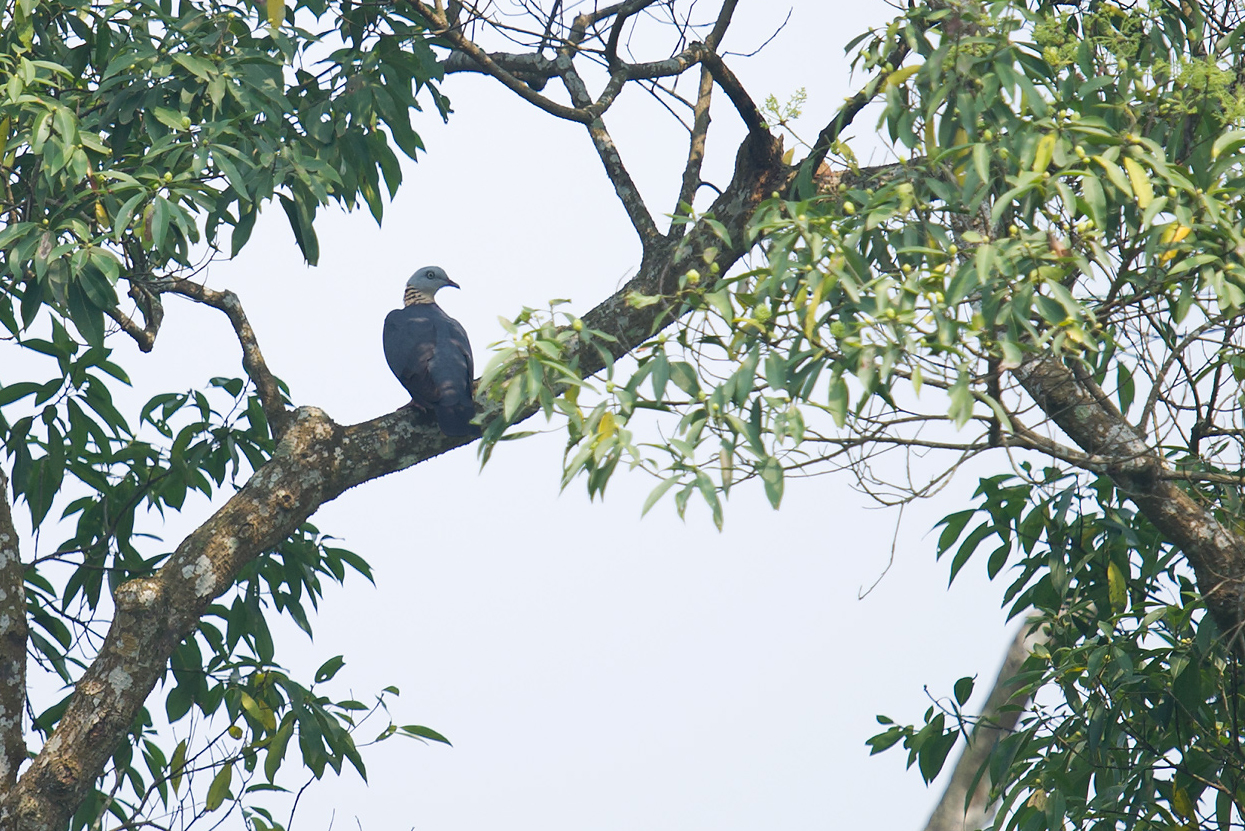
x=429, y=353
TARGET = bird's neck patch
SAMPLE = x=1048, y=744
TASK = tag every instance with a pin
x=414, y=296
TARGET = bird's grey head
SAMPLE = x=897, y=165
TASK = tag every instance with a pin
x=424, y=284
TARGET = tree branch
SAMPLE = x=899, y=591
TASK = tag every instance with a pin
x=624, y=186
x=315, y=461
x=153, y=315
x=625, y=10
x=1084, y=413
x=720, y=25
x=735, y=91
x=845, y=116
x=467, y=47
x=958, y=809
x=695, y=149
x=13, y=634
x=266, y=384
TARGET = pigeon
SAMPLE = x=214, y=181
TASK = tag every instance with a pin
x=429, y=353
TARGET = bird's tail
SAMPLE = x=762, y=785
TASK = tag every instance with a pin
x=455, y=419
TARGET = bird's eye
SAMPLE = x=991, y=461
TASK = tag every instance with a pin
x=430, y=274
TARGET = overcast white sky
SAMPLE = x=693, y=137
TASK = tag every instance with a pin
x=593, y=670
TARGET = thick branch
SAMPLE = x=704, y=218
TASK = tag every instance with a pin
x=315, y=461
x=735, y=91
x=1085, y=414
x=956, y=810
x=720, y=25
x=144, y=336
x=12, y=646
x=523, y=66
x=266, y=384
x=759, y=171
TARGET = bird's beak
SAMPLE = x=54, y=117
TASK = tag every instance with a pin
x=452, y=284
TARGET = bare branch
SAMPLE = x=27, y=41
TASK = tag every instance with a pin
x=735, y=91
x=467, y=47
x=13, y=635
x=531, y=65
x=153, y=315
x=626, y=10
x=695, y=149
x=721, y=24
x=623, y=184
x=581, y=24
x=266, y=384
x=144, y=336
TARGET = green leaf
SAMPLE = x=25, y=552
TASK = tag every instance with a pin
x=1115, y=174
x=1045, y=150
x=177, y=764
x=657, y=493
x=421, y=732
x=276, y=749
x=1117, y=587
x=329, y=668
x=772, y=477
x=1140, y=181
x=219, y=789
x=963, y=690
x=837, y=401
x=684, y=377
x=169, y=118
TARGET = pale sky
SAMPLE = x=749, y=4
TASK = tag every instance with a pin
x=593, y=670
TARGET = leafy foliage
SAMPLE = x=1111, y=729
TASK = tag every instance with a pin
x=137, y=140
x=1068, y=186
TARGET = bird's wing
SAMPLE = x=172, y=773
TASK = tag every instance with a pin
x=451, y=365
x=410, y=341
x=456, y=336
x=452, y=373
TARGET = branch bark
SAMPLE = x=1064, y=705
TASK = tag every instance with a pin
x=13, y=634
x=1083, y=411
x=266, y=384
